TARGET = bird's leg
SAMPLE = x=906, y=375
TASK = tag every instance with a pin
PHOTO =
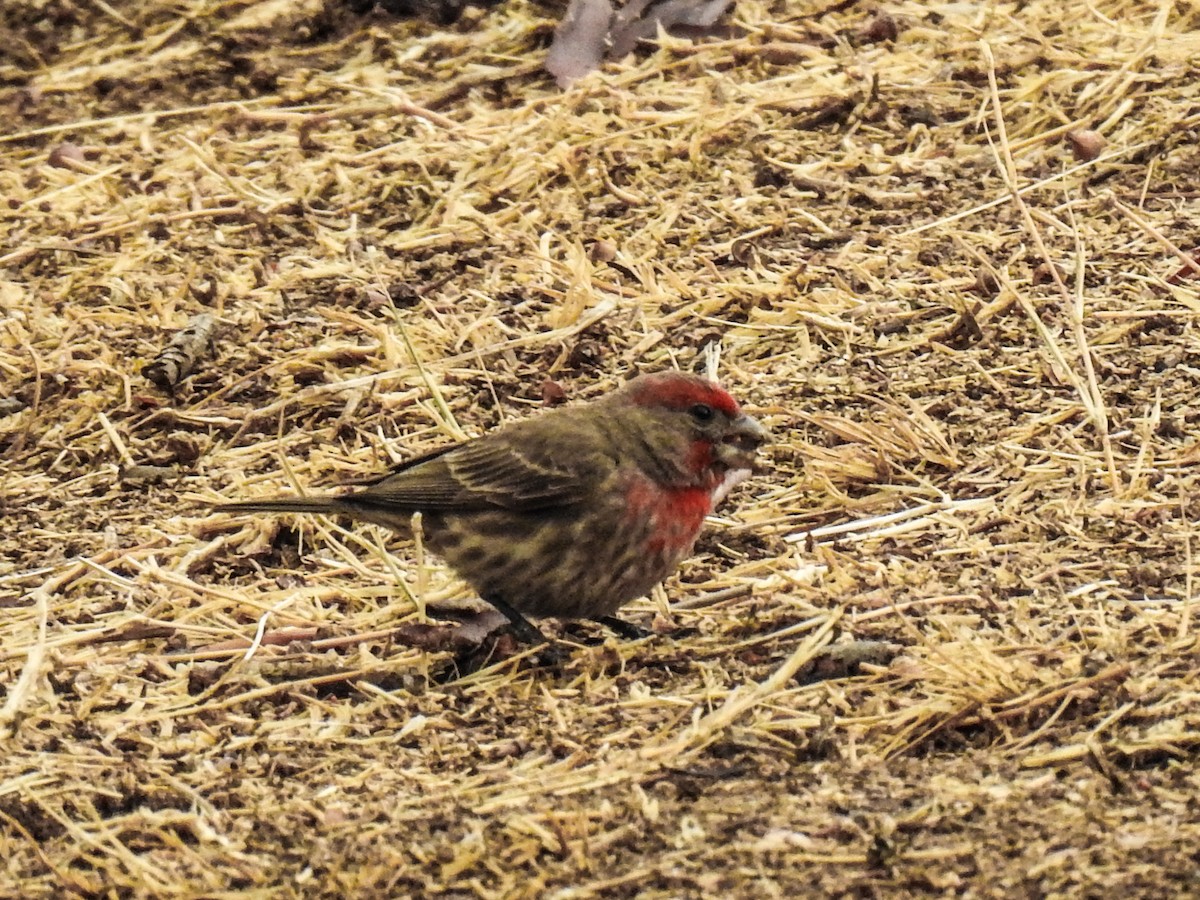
x=526, y=632
x=621, y=628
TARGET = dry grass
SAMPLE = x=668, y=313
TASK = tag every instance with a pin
x=985, y=474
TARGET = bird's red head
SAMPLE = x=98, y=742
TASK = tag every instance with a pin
x=692, y=426
x=680, y=392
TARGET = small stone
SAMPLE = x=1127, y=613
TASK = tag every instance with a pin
x=602, y=251
x=1086, y=144
x=66, y=156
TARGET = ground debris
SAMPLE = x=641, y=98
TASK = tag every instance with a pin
x=179, y=358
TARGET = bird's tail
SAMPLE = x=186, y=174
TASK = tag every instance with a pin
x=284, y=505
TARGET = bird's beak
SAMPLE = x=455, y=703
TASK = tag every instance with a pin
x=737, y=448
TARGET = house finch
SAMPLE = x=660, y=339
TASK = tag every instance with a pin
x=572, y=513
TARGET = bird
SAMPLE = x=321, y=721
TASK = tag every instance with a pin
x=572, y=513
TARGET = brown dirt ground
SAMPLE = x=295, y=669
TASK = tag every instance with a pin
x=403, y=228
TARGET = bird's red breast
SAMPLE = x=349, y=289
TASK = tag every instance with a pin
x=674, y=515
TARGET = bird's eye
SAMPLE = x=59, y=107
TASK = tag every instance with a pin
x=702, y=412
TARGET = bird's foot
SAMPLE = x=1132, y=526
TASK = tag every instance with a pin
x=523, y=630
x=624, y=629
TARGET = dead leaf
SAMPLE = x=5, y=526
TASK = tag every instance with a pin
x=630, y=25
x=591, y=31
x=580, y=40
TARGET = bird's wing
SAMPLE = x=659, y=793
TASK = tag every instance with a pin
x=396, y=469
x=534, y=464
